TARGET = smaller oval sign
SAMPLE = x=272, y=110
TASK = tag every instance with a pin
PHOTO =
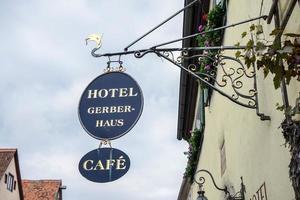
x=104, y=165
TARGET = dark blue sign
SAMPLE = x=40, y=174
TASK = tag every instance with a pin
x=104, y=165
x=110, y=105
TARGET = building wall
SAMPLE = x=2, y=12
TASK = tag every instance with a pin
x=254, y=149
x=5, y=194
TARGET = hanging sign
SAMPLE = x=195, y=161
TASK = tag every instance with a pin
x=104, y=165
x=110, y=105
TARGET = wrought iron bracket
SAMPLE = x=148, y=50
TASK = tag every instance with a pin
x=236, y=75
x=240, y=195
x=233, y=76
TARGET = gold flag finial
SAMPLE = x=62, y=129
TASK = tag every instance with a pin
x=95, y=37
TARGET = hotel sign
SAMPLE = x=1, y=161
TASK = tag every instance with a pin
x=104, y=165
x=110, y=106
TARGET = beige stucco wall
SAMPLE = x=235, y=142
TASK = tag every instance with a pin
x=254, y=148
x=5, y=194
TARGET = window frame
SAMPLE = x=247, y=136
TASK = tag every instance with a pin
x=10, y=182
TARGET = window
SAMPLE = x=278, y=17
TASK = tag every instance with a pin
x=10, y=182
x=5, y=180
x=199, y=118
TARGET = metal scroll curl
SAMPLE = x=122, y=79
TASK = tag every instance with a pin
x=236, y=76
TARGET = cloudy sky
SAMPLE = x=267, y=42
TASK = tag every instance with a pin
x=45, y=66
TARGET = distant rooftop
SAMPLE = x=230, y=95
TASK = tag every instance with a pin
x=41, y=189
x=6, y=155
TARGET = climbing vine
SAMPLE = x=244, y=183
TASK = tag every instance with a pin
x=194, y=146
x=291, y=133
x=282, y=60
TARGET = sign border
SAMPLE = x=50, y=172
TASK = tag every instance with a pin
x=133, y=124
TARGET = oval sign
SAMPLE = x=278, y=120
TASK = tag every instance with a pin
x=104, y=165
x=110, y=105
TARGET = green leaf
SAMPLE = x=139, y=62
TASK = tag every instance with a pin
x=279, y=107
x=253, y=59
x=248, y=62
x=260, y=46
x=276, y=81
x=276, y=32
x=244, y=34
x=276, y=45
x=252, y=27
x=259, y=64
x=238, y=54
x=237, y=44
x=259, y=29
x=250, y=44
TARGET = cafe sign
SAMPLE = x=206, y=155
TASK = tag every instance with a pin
x=110, y=105
x=104, y=165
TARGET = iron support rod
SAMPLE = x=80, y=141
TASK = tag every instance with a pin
x=272, y=11
x=212, y=30
x=261, y=115
x=169, y=49
x=162, y=23
x=285, y=98
x=287, y=16
x=205, y=82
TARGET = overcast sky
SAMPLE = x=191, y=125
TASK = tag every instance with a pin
x=45, y=66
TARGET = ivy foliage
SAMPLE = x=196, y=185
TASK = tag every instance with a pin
x=282, y=59
x=291, y=133
x=194, y=146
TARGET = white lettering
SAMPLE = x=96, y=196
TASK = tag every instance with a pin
x=127, y=109
x=85, y=165
x=131, y=93
x=92, y=93
x=113, y=92
x=110, y=163
x=99, y=123
x=109, y=123
x=121, y=163
x=111, y=109
x=100, y=165
x=123, y=92
x=103, y=93
x=105, y=109
x=120, y=122
x=90, y=110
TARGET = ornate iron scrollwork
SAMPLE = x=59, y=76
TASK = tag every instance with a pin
x=233, y=76
x=220, y=77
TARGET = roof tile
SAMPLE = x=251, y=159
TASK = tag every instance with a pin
x=6, y=155
x=41, y=189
